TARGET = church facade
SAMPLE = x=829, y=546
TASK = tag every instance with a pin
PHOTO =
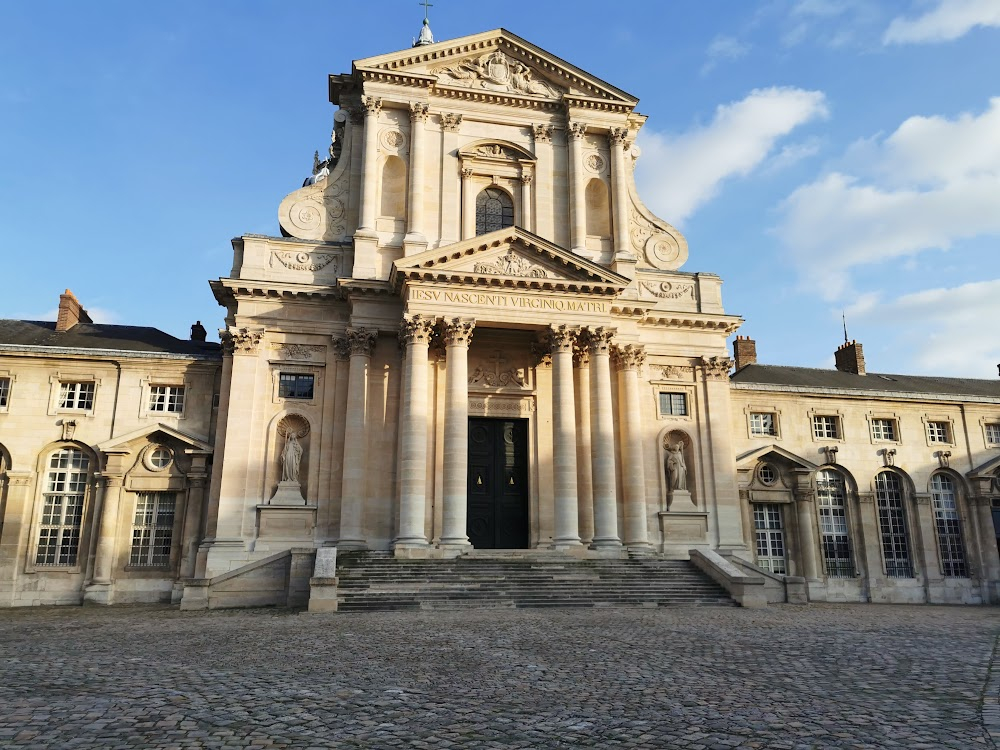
x=472, y=334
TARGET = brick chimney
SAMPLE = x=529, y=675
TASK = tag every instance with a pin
x=198, y=332
x=71, y=312
x=744, y=352
x=850, y=358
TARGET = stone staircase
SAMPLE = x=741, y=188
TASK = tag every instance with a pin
x=370, y=582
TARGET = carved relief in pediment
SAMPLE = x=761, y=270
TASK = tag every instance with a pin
x=495, y=71
x=511, y=264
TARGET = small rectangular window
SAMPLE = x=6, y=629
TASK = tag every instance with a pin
x=295, y=385
x=826, y=427
x=76, y=396
x=153, y=529
x=993, y=434
x=673, y=404
x=4, y=391
x=884, y=429
x=762, y=423
x=938, y=432
x=166, y=398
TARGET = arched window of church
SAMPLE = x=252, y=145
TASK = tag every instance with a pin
x=831, y=496
x=393, y=203
x=598, y=209
x=494, y=210
x=948, y=526
x=62, y=513
x=892, y=525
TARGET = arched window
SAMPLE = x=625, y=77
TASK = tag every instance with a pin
x=494, y=210
x=62, y=515
x=831, y=496
x=892, y=525
x=949, y=527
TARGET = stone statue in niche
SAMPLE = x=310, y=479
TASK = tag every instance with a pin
x=291, y=456
x=293, y=429
x=676, y=467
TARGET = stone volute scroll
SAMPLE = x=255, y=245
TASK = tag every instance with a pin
x=292, y=430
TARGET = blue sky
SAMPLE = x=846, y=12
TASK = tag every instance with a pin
x=822, y=156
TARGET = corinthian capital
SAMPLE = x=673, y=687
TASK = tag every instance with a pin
x=628, y=357
x=372, y=105
x=717, y=368
x=577, y=130
x=562, y=338
x=542, y=133
x=242, y=340
x=451, y=122
x=598, y=339
x=362, y=340
x=458, y=331
x=418, y=112
x=618, y=136
x=416, y=329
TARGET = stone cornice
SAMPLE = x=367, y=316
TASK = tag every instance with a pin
x=466, y=279
x=62, y=351
x=366, y=287
x=245, y=288
x=670, y=319
x=864, y=394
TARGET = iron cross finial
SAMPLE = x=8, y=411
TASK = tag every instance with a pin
x=426, y=6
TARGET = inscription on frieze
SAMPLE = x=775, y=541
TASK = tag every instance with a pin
x=508, y=301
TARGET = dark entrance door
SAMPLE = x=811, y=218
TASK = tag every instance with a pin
x=498, y=483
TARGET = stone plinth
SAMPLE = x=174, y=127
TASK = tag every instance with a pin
x=683, y=530
x=285, y=523
x=288, y=493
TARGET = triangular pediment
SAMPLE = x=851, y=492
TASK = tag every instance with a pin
x=499, y=62
x=120, y=443
x=752, y=457
x=509, y=257
x=986, y=470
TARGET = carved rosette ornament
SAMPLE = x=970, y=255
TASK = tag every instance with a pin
x=242, y=340
x=451, y=122
x=418, y=112
x=717, y=368
x=577, y=130
x=562, y=338
x=362, y=341
x=392, y=140
x=416, y=329
x=542, y=133
x=458, y=331
x=598, y=340
x=628, y=357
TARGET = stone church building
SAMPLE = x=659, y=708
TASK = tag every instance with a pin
x=473, y=335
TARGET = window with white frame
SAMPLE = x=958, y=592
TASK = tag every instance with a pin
x=4, y=392
x=993, y=433
x=938, y=432
x=153, y=529
x=949, y=527
x=673, y=404
x=892, y=525
x=295, y=385
x=831, y=496
x=826, y=427
x=884, y=429
x=166, y=398
x=76, y=395
x=762, y=424
x=770, y=535
x=62, y=512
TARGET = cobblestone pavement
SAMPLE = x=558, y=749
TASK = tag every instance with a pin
x=789, y=678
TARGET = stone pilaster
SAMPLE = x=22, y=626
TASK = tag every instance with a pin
x=14, y=539
x=451, y=201
x=602, y=440
x=618, y=141
x=924, y=541
x=457, y=337
x=577, y=188
x=527, y=220
x=567, y=532
x=544, y=171
x=468, y=205
x=416, y=334
x=416, y=239
x=805, y=503
x=353, y=492
x=192, y=524
x=366, y=238
x=99, y=591
x=629, y=359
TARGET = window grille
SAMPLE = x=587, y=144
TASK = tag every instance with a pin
x=831, y=495
x=76, y=396
x=826, y=427
x=938, y=432
x=166, y=398
x=4, y=391
x=62, y=512
x=294, y=385
x=153, y=529
x=949, y=527
x=494, y=210
x=770, y=537
x=762, y=423
x=884, y=429
x=673, y=404
x=892, y=526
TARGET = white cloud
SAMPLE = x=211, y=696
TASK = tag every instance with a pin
x=679, y=173
x=931, y=183
x=949, y=20
x=939, y=330
x=722, y=49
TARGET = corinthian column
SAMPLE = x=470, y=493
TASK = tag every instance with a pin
x=416, y=334
x=618, y=139
x=362, y=344
x=602, y=439
x=584, y=462
x=457, y=337
x=369, y=158
x=577, y=189
x=567, y=529
x=629, y=359
x=415, y=205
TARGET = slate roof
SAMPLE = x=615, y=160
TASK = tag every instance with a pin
x=100, y=336
x=808, y=377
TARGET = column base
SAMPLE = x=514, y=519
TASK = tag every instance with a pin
x=567, y=544
x=463, y=545
x=99, y=593
x=412, y=550
x=606, y=543
x=352, y=545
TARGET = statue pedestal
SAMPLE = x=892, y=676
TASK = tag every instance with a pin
x=285, y=526
x=288, y=493
x=683, y=530
x=681, y=500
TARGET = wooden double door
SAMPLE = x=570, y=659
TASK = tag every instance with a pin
x=498, y=483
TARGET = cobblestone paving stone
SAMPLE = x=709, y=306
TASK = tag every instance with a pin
x=784, y=678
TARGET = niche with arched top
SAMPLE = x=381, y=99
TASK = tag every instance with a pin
x=392, y=201
x=598, y=201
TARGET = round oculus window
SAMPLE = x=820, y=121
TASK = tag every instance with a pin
x=158, y=458
x=767, y=475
